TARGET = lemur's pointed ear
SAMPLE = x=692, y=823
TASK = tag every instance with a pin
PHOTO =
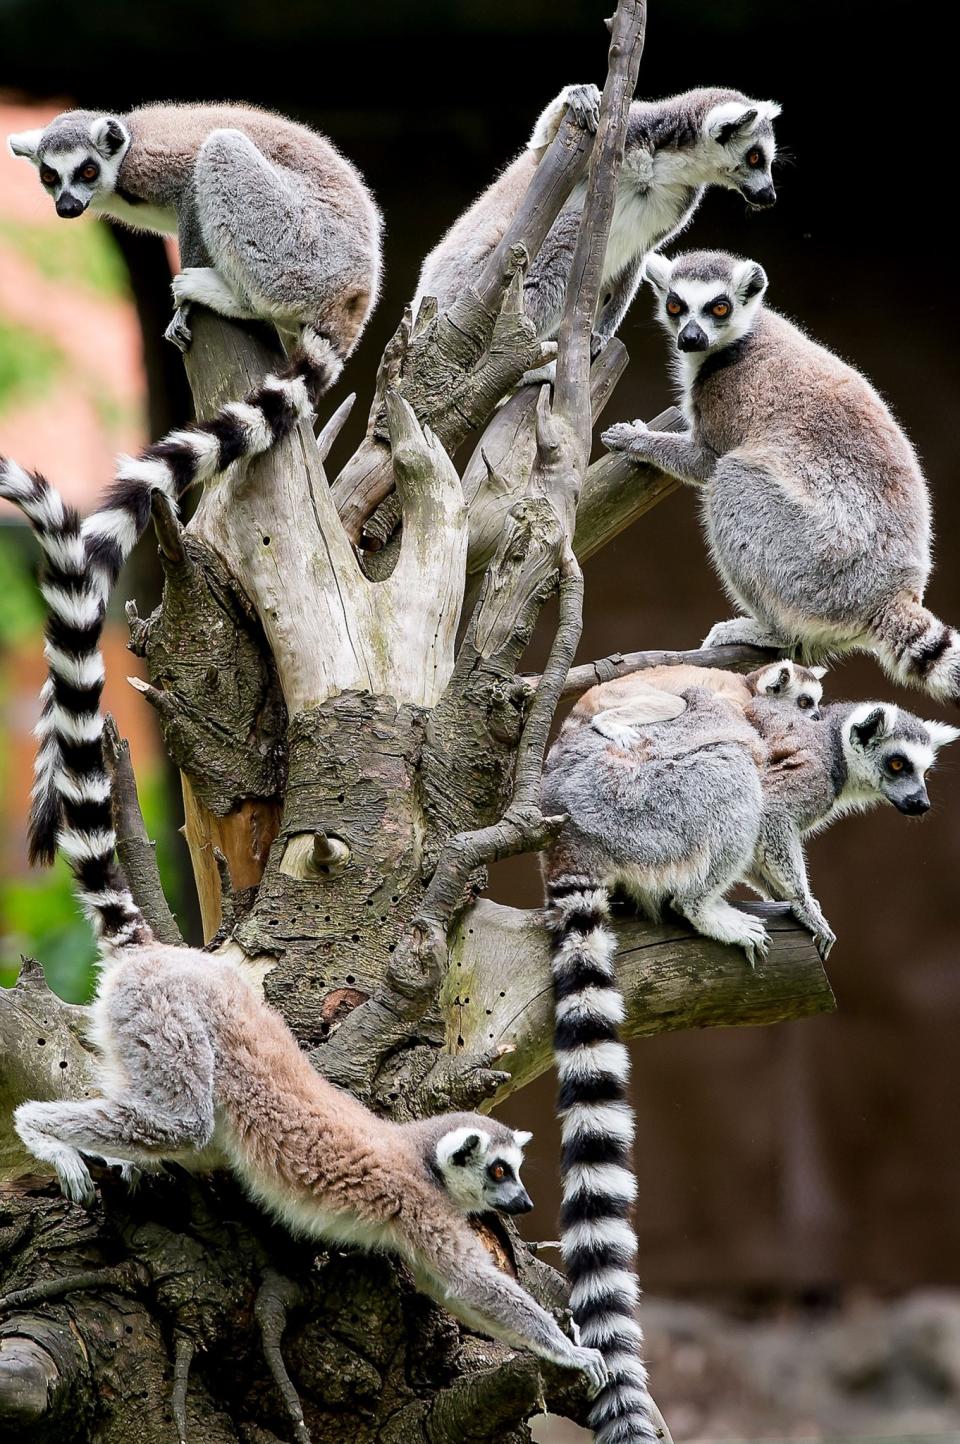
x=466, y=1150
x=26, y=143
x=941, y=733
x=108, y=135
x=749, y=280
x=657, y=270
x=870, y=723
x=726, y=122
x=818, y=672
x=521, y=1137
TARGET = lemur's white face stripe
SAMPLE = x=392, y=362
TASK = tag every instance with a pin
x=919, y=755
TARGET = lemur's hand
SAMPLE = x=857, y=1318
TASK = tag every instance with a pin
x=625, y=435
x=593, y=1364
x=584, y=103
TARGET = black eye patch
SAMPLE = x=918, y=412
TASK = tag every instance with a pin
x=676, y=307
x=88, y=171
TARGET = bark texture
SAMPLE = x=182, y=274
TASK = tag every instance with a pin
x=348, y=772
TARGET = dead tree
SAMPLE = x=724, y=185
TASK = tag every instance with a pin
x=348, y=773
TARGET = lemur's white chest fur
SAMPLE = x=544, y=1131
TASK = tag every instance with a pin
x=158, y=219
x=653, y=197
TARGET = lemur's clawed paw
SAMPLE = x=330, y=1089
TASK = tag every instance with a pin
x=824, y=941
x=75, y=1181
x=598, y=343
x=755, y=941
x=624, y=436
x=584, y=103
x=593, y=1364
x=178, y=332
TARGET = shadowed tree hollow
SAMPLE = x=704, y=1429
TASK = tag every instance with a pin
x=357, y=743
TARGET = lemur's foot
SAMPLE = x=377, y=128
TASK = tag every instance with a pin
x=594, y=1365
x=276, y=1297
x=74, y=1177
x=598, y=343
x=178, y=332
x=584, y=103
x=743, y=632
x=540, y=376
x=754, y=939
x=823, y=935
x=129, y=1173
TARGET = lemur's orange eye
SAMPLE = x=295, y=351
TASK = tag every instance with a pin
x=896, y=764
x=720, y=310
x=48, y=176
x=674, y=308
x=754, y=158
x=498, y=1173
x=89, y=173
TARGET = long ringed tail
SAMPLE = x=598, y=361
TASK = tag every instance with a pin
x=597, y=1237
x=71, y=800
x=240, y=430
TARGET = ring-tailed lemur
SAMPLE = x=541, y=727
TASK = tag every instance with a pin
x=676, y=812
x=194, y=1062
x=814, y=503
x=288, y=233
x=674, y=149
x=625, y=702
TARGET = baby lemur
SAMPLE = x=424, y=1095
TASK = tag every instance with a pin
x=676, y=812
x=655, y=694
x=193, y=1062
x=276, y=225
x=814, y=503
x=674, y=149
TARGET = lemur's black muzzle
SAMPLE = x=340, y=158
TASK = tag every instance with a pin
x=692, y=338
x=519, y=1202
x=914, y=804
x=762, y=198
x=69, y=206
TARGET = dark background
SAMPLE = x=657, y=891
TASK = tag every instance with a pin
x=818, y=1154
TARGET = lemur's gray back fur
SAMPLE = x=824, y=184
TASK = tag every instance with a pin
x=196, y=1067
x=815, y=506
x=674, y=149
x=274, y=224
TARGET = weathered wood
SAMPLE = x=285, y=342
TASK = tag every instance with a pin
x=135, y=850
x=498, y=990
x=616, y=493
x=621, y=664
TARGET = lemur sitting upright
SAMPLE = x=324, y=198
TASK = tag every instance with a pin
x=676, y=812
x=274, y=224
x=814, y=504
x=674, y=149
x=194, y=1062
x=626, y=702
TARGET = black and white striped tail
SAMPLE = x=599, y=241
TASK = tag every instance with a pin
x=71, y=795
x=598, y=1239
x=918, y=649
x=240, y=429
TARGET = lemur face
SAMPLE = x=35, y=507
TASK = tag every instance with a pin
x=892, y=751
x=707, y=299
x=788, y=682
x=742, y=133
x=77, y=156
x=481, y=1170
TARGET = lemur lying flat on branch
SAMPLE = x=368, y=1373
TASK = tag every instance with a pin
x=675, y=812
x=614, y=708
x=195, y=1067
x=278, y=226
x=814, y=504
x=674, y=149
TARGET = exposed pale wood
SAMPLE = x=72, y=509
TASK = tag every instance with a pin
x=498, y=988
x=243, y=838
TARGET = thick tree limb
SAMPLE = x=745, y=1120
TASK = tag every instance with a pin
x=617, y=492
x=621, y=664
x=498, y=989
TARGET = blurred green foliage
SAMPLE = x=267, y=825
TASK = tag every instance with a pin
x=85, y=255
x=28, y=363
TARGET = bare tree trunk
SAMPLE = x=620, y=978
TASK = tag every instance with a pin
x=347, y=775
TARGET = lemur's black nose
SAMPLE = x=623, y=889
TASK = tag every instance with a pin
x=69, y=206
x=763, y=198
x=519, y=1202
x=692, y=338
x=915, y=805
